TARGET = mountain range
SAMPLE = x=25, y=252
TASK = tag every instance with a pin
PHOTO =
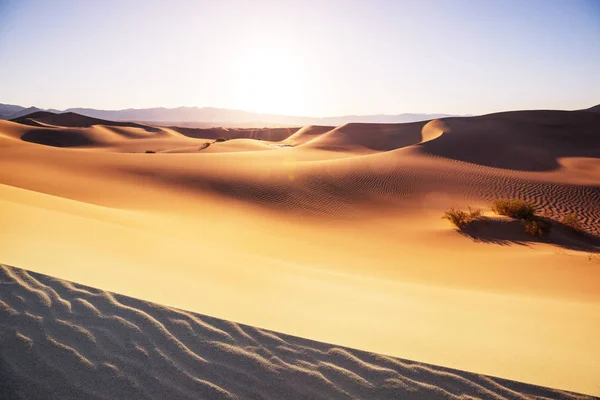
x=201, y=117
x=206, y=117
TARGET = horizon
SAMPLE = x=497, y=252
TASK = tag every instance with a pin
x=74, y=109
x=303, y=60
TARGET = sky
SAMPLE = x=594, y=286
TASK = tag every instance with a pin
x=308, y=58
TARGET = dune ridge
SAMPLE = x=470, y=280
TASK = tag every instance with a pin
x=64, y=340
x=70, y=120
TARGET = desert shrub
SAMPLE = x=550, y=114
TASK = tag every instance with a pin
x=572, y=221
x=474, y=214
x=150, y=152
x=536, y=227
x=514, y=208
x=461, y=218
x=220, y=139
x=204, y=146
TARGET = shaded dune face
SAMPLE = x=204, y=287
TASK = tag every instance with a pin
x=62, y=340
x=57, y=138
x=376, y=137
x=30, y=119
x=269, y=134
x=343, y=188
x=73, y=120
x=525, y=140
x=94, y=136
x=504, y=232
x=306, y=134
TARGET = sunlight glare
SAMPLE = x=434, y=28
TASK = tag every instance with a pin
x=270, y=78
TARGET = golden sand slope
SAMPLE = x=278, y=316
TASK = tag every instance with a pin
x=63, y=340
x=337, y=239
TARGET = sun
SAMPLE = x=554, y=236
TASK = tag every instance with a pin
x=270, y=77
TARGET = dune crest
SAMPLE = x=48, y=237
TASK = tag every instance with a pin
x=306, y=134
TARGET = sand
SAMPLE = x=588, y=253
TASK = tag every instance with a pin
x=337, y=239
x=64, y=340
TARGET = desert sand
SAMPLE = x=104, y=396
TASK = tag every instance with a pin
x=332, y=234
x=63, y=340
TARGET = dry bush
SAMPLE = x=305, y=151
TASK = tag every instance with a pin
x=572, y=221
x=220, y=139
x=514, y=208
x=536, y=227
x=150, y=152
x=461, y=218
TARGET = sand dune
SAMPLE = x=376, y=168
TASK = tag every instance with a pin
x=336, y=183
x=64, y=340
x=595, y=108
x=31, y=118
x=270, y=134
x=378, y=137
x=306, y=134
x=70, y=119
x=337, y=238
x=75, y=130
x=526, y=141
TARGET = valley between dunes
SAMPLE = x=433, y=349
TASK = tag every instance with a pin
x=331, y=234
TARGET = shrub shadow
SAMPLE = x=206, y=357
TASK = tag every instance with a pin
x=506, y=232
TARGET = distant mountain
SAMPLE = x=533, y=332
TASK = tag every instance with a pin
x=206, y=117
x=218, y=116
x=10, y=111
x=210, y=116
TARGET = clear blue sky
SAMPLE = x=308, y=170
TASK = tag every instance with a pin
x=315, y=58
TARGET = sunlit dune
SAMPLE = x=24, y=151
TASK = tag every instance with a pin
x=332, y=234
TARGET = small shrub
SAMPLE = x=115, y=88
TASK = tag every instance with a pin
x=220, y=139
x=536, y=227
x=461, y=218
x=514, y=208
x=150, y=152
x=204, y=146
x=572, y=221
x=474, y=214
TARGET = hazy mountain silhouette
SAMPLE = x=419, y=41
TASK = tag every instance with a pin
x=202, y=117
x=10, y=111
x=210, y=116
x=190, y=116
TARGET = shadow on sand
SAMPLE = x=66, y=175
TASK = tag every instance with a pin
x=507, y=232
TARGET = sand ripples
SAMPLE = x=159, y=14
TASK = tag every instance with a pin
x=62, y=340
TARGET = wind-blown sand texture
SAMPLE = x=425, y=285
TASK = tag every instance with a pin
x=338, y=238
x=67, y=341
